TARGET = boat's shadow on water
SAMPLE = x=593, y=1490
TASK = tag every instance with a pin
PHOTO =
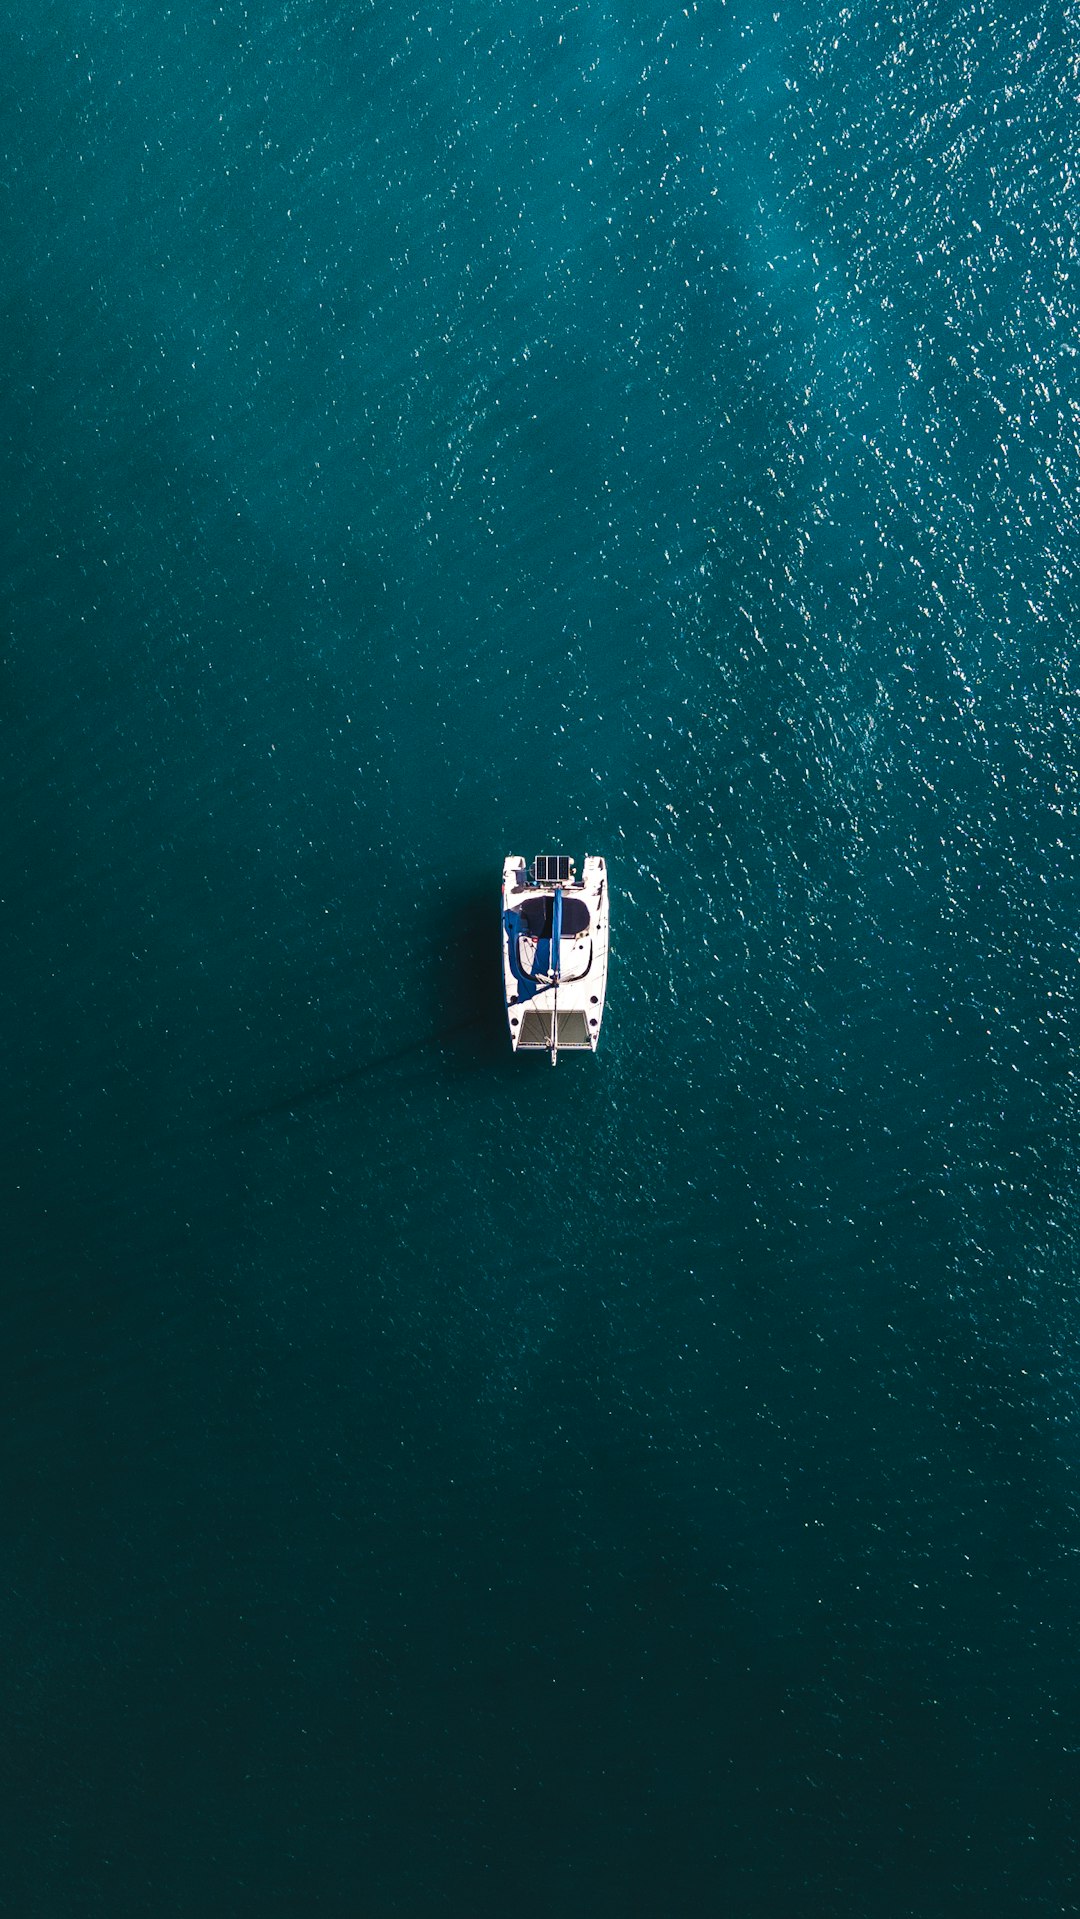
x=466, y=980
x=464, y=998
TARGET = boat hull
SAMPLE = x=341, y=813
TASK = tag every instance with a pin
x=561, y=1010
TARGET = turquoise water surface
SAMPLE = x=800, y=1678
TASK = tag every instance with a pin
x=434, y=1484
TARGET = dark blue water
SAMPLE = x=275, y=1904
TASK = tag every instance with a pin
x=431, y=1484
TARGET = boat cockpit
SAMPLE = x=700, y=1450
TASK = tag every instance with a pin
x=537, y=913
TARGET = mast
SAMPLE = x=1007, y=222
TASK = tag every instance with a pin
x=556, y=956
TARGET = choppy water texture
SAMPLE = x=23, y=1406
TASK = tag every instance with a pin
x=434, y=1484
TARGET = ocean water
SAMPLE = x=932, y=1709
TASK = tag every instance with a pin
x=433, y=1484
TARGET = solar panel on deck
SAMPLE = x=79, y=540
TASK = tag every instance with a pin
x=551, y=869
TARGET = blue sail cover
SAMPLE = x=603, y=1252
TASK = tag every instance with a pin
x=556, y=931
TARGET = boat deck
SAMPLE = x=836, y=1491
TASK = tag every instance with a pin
x=533, y=999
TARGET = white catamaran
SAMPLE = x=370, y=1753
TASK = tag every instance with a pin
x=555, y=953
